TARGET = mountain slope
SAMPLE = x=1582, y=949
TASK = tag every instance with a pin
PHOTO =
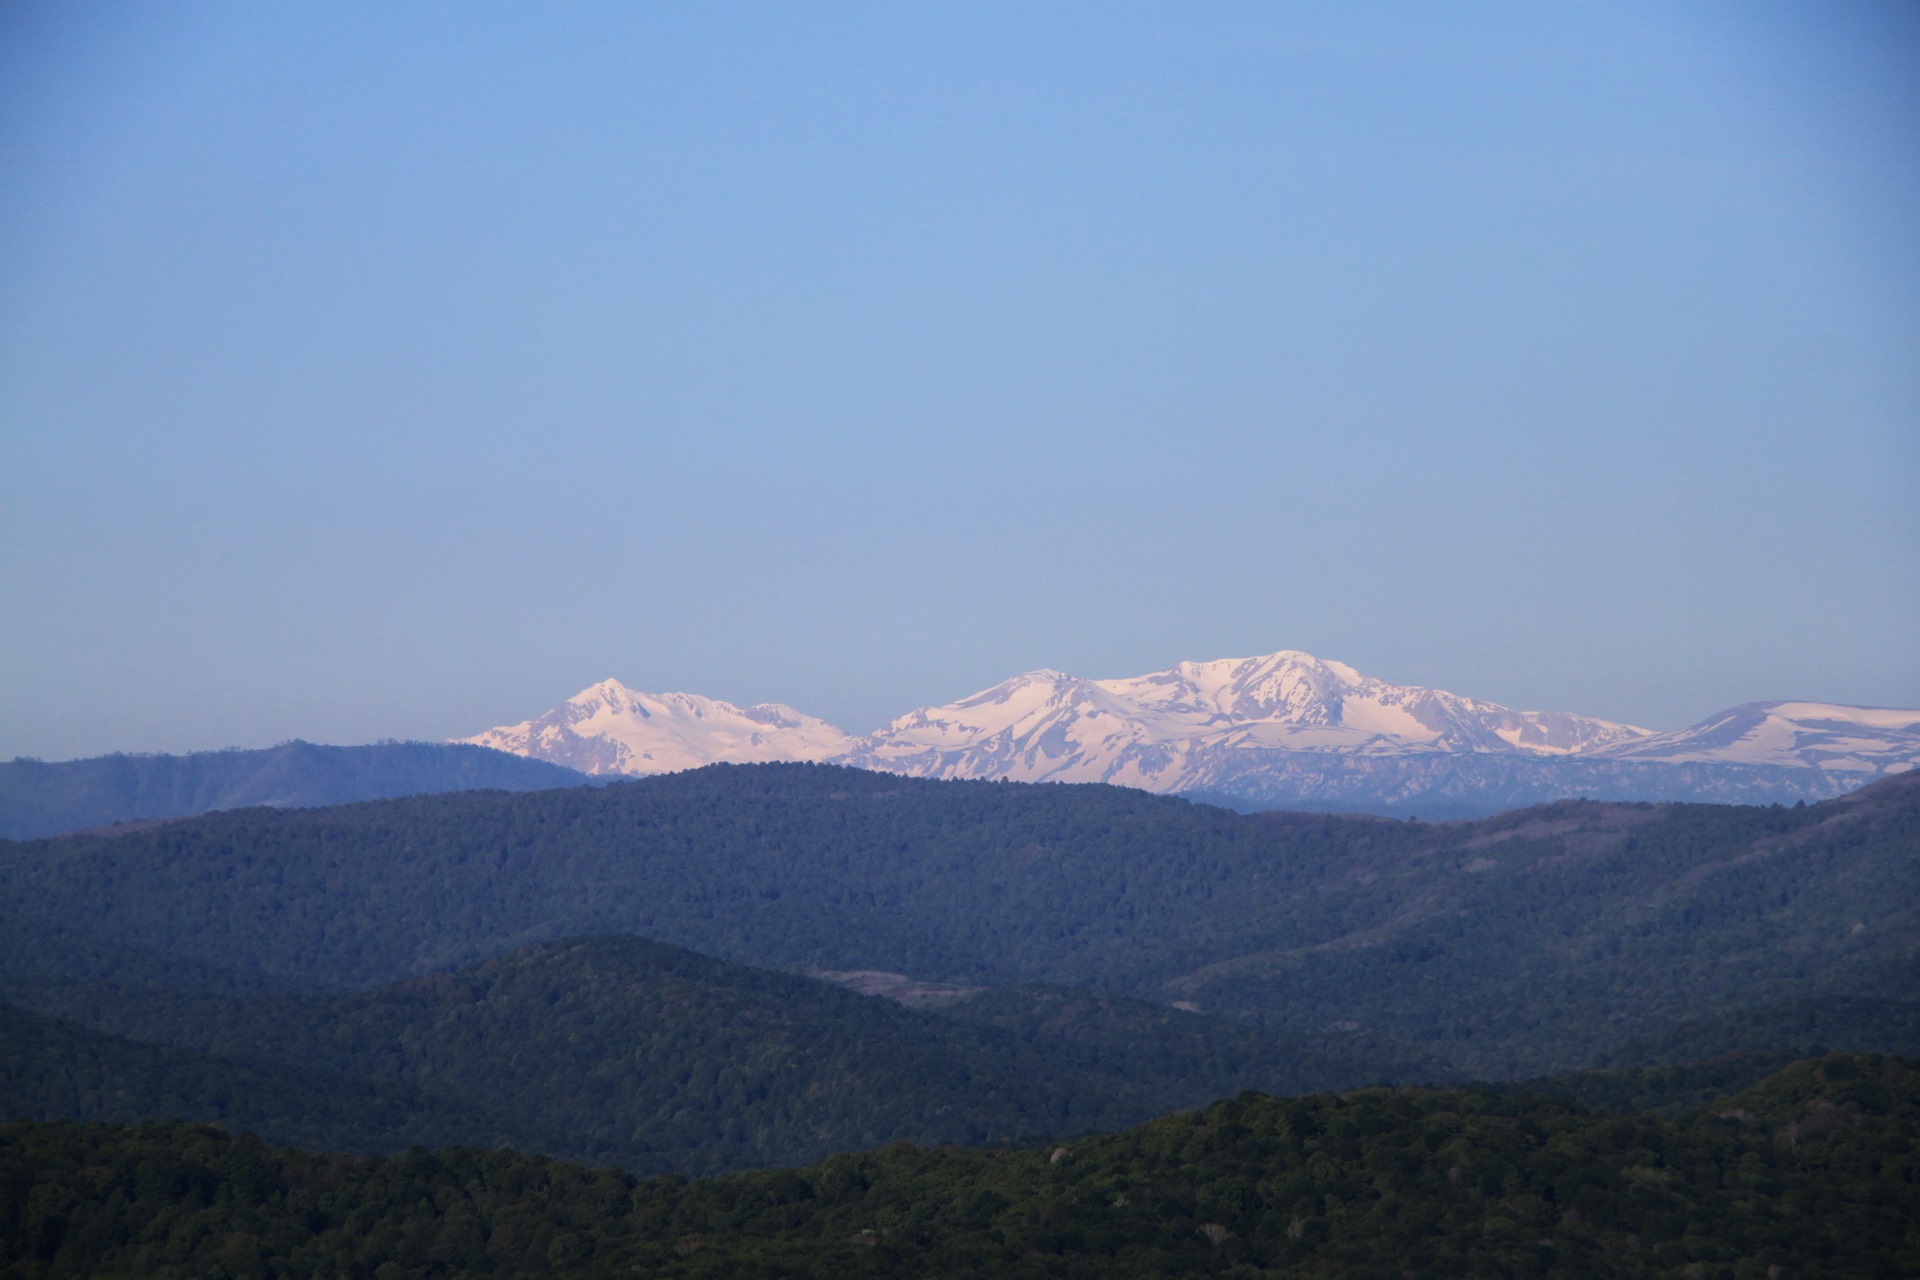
x=1683, y=1067
x=664, y=1060
x=1282, y=730
x=42, y=799
x=609, y=728
x=1861, y=741
x=1510, y=946
x=1165, y=731
x=1813, y=1172
x=1288, y=730
x=54, y=1069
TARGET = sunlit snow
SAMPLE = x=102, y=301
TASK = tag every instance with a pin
x=1183, y=729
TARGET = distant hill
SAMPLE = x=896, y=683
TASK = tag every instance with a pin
x=647, y=1055
x=53, y=1069
x=1507, y=947
x=1684, y=1066
x=1801, y=1028
x=1449, y=786
x=42, y=799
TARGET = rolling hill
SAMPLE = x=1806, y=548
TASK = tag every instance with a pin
x=1812, y=1172
x=1506, y=947
x=650, y=1056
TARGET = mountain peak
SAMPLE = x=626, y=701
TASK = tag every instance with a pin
x=1821, y=735
x=609, y=728
x=1224, y=724
x=602, y=689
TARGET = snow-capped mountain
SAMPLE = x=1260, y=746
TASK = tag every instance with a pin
x=1285, y=729
x=609, y=728
x=1168, y=731
x=1808, y=735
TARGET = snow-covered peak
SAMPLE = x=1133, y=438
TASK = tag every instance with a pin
x=1023, y=705
x=1161, y=730
x=1288, y=685
x=1192, y=726
x=1821, y=735
x=611, y=695
x=1322, y=705
x=609, y=728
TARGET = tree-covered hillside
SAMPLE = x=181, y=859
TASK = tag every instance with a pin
x=51, y=1069
x=655, y=1058
x=1685, y=1065
x=1805, y=1028
x=1522, y=943
x=1813, y=1173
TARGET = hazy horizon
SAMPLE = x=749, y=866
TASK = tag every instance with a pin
x=371, y=373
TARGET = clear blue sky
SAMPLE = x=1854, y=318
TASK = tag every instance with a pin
x=374, y=370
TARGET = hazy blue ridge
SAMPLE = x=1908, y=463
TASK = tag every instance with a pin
x=1507, y=947
x=1440, y=787
x=38, y=798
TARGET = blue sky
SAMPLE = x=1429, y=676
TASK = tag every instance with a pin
x=394, y=371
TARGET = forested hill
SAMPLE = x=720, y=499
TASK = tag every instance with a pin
x=1518, y=944
x=52, y=1069
x=38, y=798
x=1812, y=1175
x=650, y=1056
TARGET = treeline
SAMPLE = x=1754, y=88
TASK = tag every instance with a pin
x=1813, y=1173
x=1519, y=944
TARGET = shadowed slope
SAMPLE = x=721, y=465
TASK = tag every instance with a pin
x=1510, y=946
x=660, y=1059
x=1811, y=1173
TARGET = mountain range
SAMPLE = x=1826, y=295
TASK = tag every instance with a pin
x=488, y=967
x=43, y=798
x=1283, y=730
x=1513, y=945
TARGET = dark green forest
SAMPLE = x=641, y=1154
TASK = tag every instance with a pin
x=1815, y=1172
x=1526, y=943
x=53, y=1069
x=453, y=995
x=662, y=1060
x=1691, y=1063
x=652, y=1057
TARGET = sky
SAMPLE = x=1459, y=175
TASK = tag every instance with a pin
x=375, y=371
